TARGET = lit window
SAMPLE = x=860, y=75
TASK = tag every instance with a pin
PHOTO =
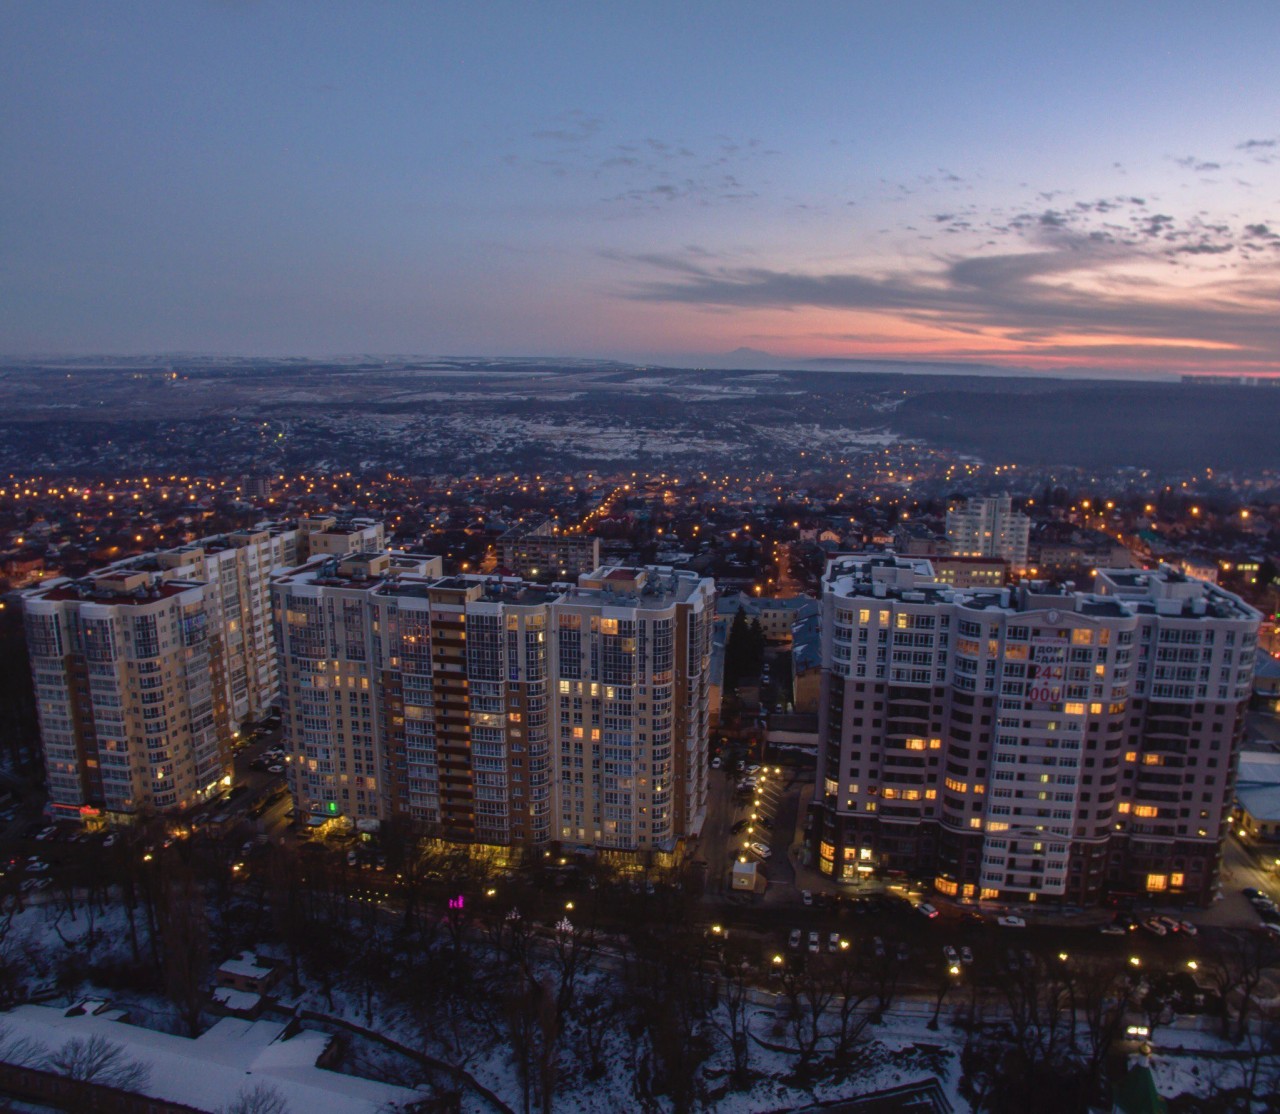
x=1157, y=882
x=1146, y=811
x=975, y=822
x=930, y=794
x=997, y=826
x=1074, y=709
x=956, y=786
x=914, y=744
x=608, y=626
x=1123, y=806
x=1177, y=881
x=1131, y=756
x=1081, y=637
x=1152, y=760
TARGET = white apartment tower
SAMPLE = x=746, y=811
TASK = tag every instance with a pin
x=498, y=712
x=1029, y=743
x=988, y=527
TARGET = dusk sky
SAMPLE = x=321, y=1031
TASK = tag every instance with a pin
x=1079, y=187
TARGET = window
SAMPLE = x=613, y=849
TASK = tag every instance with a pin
x=1177, y=881
x=1156, y=883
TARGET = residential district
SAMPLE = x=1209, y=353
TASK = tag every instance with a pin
x=672, y=791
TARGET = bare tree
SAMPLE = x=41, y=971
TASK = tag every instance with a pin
x=1236, y=964
x=260, y=1099
x=97, y=1062
x=185, y=935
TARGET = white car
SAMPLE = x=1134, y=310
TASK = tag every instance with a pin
x=806, y=896
x=716, y=762
x=813, y=941
x=793, y=941
x=950, y=954
x=760, y=849
x=1011, y=922
x=833, y=941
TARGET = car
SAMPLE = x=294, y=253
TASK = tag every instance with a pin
x=927, y=910
x=1262, y=902
x=834, y=941
x=716, y=762
x=352, y=858
x=966, y=955
x=35, y=884
x=754, y=768
x=793, y=941
x=760, y=849
x=47, y=833
x=1251, y=893
x=813, y=941
x=737, y=826
x=37, y=866
x=1270, y=916
x=877, y=946
x=110, y=841
x=1188, y=928
x=806, y=896
x=1011, y=922
x=276, y=769
x=950, y=954
x=766, y=822
x=1174, y=926
x=1272, y=929
x=1155, y=927
x=777, y=708
x=1114, y=930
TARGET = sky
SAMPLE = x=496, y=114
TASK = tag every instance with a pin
x=1085, y=188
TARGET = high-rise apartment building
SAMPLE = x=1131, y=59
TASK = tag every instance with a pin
x=1031, y=742
x=497, y=711
x=130, y=691
x=988, y=527
x=99, y=682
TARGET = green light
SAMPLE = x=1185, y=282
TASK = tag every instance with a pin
x=332, y=806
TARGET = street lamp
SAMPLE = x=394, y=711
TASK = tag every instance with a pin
x=1134, y=961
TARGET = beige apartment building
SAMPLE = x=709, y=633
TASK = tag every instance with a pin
x=1029, y=743
x=128, y=672
x=497, y=711
x=100, y=758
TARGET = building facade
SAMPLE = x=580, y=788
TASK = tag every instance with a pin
x=988, y=527
x=542, y=552
x=130, y=692
x=496, y=711
x=1029, y=743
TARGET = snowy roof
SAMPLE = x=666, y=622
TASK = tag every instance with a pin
x=243, y=1001
x=1262, y=802
x=246, y=966
x=210, y=1071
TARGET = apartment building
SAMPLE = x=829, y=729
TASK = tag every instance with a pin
x=131, y=693
x=1029, y=743
x=225, y=578
x=540, y=551
x=988, y=527
x=500, y=712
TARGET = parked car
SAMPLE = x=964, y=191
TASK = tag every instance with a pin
x=877, y=945
x=1188, y=928
x=1011, y=922
x=1155, y=927
x=950, y=954
x=927, y=910
x=833, y=941
x=793, y=941
x=716, y=762
x=760, y=849
x=966, y=955
x=806, y=896
x=813, y=941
